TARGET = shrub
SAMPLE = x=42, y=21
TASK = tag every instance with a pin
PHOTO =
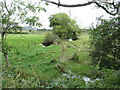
x=49, y=39
x=110, y=79
x=105, y=40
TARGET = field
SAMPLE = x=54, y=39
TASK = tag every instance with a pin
x=65, y=65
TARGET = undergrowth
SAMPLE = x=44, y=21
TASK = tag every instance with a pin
x=32, y=65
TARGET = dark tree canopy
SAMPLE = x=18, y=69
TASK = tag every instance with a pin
x=59, y=19
x=64, y=26
x=105, y=39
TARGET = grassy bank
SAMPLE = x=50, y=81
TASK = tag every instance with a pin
x=32, y=65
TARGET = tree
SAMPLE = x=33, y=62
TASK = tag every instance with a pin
x=63, y=26
x=105, y=39
x=15, y=27
x=110, y=6
x=13, y=12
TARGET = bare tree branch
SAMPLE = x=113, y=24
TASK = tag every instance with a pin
x=89, y=3
x=6, y=6
x=65, y=5
x=107, y=10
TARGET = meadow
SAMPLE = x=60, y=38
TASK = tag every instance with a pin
x=32, y=65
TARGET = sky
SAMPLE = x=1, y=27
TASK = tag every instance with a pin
x=84, y=16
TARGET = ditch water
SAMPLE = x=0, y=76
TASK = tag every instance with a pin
x=86, y=79
x=42, y=45
x=70, y=40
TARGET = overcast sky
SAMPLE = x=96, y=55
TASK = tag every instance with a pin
x=84, y=16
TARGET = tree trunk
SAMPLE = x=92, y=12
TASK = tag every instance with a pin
x=119, y=15
x=5, y=53
x=6, y=59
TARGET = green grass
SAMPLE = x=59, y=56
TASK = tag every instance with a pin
x=31, y=64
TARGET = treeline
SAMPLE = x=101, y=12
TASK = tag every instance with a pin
x=10, y=32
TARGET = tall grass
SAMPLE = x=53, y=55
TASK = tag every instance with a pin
x=35, y=66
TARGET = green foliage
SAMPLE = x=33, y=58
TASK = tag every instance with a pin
x=14, y=28
x=17, y=11
x=67, y=82
x=64, y=26
x=110, y=79
x=34, y=66
x=106, y=44
x=50, y=39
x=20, y=9
x=25, y=50
x=59, y=19
x=6, y=46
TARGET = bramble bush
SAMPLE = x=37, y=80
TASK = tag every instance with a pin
x=105, y=40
